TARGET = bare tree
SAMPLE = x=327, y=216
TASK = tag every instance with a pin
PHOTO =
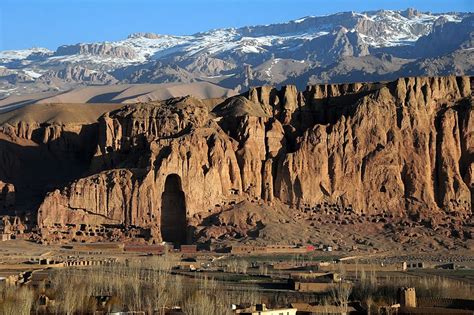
x=341, y=292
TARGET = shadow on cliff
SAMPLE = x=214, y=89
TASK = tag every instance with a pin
x=38, y=168
x=314, y=111
x=328, y=110
x=462, y=110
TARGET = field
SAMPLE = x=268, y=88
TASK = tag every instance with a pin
x=207, y=282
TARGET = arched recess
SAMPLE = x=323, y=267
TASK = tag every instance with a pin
x=173, y=211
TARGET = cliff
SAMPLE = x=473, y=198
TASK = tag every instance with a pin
x=402, y=149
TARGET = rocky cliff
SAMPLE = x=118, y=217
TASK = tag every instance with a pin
x=43, y=147
x=402, y=149
x=97, y=49
x=78, y=74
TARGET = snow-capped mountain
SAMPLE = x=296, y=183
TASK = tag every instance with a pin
x=376, y=45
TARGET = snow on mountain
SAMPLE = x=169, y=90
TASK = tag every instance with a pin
x=377, y=29
x=400, y=27
x=303, y=19
x=266, y=53
x=8, y=55
x=33, y=74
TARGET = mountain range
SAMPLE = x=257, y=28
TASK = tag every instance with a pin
x=343, y=47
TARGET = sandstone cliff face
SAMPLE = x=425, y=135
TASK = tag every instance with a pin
x=37, y=157
x=139, y=147
x=398, y=149
x=403, y=148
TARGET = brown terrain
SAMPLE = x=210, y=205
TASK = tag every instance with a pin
x=374, y=165
x=120, y=93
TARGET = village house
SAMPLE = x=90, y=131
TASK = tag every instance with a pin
x=261, y=309
x=271, y=249
x=316, y=282
x=308, y=309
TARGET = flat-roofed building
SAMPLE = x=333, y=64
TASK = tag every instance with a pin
x=261, y=309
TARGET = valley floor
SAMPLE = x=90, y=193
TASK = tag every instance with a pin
x=99, y=269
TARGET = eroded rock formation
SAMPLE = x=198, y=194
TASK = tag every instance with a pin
x=97, y=49
x=403, y=148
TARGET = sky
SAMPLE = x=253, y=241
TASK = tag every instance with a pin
x=51, y=23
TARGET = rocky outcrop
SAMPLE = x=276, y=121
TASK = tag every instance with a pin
x=14, y=77
x=79, y=74
x=152, y=141
x=338, y=44
x=446, y=36
x=97, y=49
x=158, y=72
x=389, y=167
x=12, y=225
x=402, y=148
x=208, y=65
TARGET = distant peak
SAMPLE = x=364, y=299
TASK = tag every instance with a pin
x=410, y=13
x=303, y=19
x=144, y=35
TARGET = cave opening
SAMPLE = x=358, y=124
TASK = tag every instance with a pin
x=173, y=211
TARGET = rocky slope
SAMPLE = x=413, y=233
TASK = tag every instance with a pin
x=77, y=74
x=378, y=45
x=400, y=151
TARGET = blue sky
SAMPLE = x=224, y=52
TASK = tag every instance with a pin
x=50, y=23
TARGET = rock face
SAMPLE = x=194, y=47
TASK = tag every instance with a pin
x=12, y=225
x=403, y=148
x=97, y=49
x=13, y=77
x=44, y=147
x=445, y=36
x=79, y=74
